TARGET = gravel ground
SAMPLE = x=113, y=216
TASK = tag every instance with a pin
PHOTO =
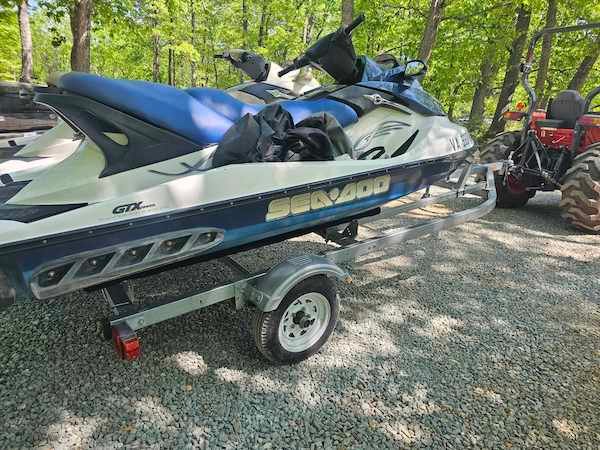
x=486, y=335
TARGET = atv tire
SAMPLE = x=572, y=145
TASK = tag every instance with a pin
x=499, y=147
x=580, y=190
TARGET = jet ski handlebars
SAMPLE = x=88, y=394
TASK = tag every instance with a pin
x=334, y=54
x=253, y=65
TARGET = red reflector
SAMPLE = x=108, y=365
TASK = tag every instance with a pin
x=131, y=349
x=126, y=342
x=513, y=115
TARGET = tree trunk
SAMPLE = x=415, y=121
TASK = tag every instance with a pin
x=80, y=16
x=264, y=16
x=174, y=68
x=171, y=68
x=347, y=11
x=511, y=77
x=156, y=57
x=26, y=45
x=454, y=99
x=193, y=42
x=244, y=24
x=436, y=10
x=487, y=70
x=585, y=67
x=204, y=63
x=309, y=23
x=214, y=60
x=542, y=73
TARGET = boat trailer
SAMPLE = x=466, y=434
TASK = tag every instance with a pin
x=294, y=304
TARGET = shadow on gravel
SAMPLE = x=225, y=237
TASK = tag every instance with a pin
x=483, y=336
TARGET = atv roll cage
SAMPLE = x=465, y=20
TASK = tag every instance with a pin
x=532, y=152
x=587, y=108
x=527, y=65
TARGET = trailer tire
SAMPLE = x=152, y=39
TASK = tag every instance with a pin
x=301, y=324
x=580, y=202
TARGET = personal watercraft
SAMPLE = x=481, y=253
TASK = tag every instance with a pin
x=26, y=156
x=141, y=192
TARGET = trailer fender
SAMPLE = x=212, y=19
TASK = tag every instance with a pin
x=267, y=292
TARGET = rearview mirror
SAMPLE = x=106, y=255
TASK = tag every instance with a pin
x=414, y=68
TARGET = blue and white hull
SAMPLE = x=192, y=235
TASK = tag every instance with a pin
x=140, y=192
x=54, y=264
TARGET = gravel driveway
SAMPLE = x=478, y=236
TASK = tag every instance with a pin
x=487, y=335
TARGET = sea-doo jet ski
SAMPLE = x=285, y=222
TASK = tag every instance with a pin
x=142, y=192
x=23, y=158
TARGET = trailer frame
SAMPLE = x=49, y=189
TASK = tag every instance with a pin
x=264, y=291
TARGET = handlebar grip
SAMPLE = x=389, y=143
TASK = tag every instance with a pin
x=287, y=70
x=297, y=64
x=356, y=22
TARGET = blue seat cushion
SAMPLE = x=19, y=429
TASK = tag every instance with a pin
x=234, y=109
x=158, y=104
x=202, y=115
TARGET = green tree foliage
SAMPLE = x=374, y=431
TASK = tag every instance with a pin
x=10, y=55
x=137, y=38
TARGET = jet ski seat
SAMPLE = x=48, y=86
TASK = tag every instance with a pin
x=234, y=109
x=202, y=115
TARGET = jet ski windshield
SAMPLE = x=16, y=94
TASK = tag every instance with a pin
x=335, y=54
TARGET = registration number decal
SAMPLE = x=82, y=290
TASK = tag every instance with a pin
x=316, y=200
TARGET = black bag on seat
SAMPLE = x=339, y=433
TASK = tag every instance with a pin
x=317, y=138
x=270, y=136
x=256, y=138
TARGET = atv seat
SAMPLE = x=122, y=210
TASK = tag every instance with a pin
x=567, y=107
x=552, y=123
x=202, y=115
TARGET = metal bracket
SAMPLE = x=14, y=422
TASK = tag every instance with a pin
x=380, y=101
x=118, y=295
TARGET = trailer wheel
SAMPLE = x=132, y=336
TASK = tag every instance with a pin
x=580, y=190
x=301, y=324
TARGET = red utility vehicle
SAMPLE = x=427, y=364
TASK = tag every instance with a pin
x=556, y=149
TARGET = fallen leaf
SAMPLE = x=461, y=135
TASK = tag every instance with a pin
x=127, y=429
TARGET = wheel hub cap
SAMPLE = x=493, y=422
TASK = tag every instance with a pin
x=304, y=322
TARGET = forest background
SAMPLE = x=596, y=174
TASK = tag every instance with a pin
x=473, y=48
